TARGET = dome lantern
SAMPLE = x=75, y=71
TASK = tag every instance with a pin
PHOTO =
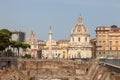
x=80, y=20
x=80, y=28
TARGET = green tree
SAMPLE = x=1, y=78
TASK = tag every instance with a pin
x=18, y=45
x=5, y=36
x=25, y=45
x=13, y=45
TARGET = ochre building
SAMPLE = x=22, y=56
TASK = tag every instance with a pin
x=108, y=41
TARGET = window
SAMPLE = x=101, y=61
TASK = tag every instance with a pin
x=110, y=48
x=85, y=38
x=104, y=53
x=116, y=42
x=79, y=39
x=104, y=36
x=116, y=45
x=99, y=35
x=99, y=53
x=103, y=42
x=73, y=39
x=110, y=42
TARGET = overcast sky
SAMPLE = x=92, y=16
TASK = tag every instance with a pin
x=62, y=15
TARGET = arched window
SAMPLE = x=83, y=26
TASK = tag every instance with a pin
x=79, y=39
x=79, y=55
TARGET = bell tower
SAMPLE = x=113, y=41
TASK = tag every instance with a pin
x=32, y=35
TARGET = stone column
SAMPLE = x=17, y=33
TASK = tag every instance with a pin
x=50, y=43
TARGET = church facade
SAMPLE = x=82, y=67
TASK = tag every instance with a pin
x=80, y=46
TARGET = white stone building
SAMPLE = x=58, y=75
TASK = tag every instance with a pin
x=35, y=46
x=80, y=46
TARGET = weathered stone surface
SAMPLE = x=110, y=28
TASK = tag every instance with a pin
x=57, y=70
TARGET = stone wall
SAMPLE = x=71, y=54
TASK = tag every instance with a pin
x=53, y=68
x=57, y=70
x=7, y=62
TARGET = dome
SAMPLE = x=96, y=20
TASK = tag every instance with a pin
x=80, y=29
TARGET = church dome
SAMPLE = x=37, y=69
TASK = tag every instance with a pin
x=79, y=28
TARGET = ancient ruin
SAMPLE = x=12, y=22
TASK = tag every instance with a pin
x=27, y=69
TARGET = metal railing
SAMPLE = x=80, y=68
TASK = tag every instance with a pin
x=111, y=62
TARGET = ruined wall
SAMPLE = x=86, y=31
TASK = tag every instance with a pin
x=53, y=68
x=7, y=62
x=58, y=70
